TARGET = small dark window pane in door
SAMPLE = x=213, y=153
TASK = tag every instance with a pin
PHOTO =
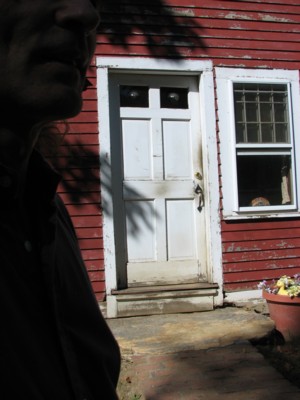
x=174, y=98
x=134, y=96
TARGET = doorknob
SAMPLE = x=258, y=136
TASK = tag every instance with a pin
x=199, y=191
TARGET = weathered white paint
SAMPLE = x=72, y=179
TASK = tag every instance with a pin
x=211, y=182
x=202, y=70
x=105, y=156
x=161, y=302
x=159, y=271
x=243, y=296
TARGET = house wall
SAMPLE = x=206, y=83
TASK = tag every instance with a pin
x=250, y=34
x=78, y=162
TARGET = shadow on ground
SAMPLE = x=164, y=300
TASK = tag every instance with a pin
x=236, y=372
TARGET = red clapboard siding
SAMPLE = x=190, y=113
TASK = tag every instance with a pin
x=69, y=150
x=82, y=128
x=201, y=29
x=237, y=43
x=249, y=256
x=223, y=3
x=87, y=138
x=92, y=254
x=260, y=234
x=76, y=173
x=96, y=276
x=260, y=245
x=89, y=233
x=86, y=221
x=260, y=266
x=86, y=116
x=89, y=105
x=88, y=209
x=78, y=161
x=94, y=265
x=90, y=244
x=81, y=200
x=90, y=94
x=99, y=289
x=261, y=250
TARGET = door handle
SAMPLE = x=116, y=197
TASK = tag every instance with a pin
x=199, y=191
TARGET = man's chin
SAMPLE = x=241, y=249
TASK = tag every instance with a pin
x=67, y=104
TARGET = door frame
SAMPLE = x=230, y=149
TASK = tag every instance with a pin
x=204, y=71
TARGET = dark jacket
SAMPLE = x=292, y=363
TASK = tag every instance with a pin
x=54, y=342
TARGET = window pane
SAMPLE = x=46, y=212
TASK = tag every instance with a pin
x=264, y=180
x=279, y=97
x=239, y=112
x=252, y=133
x=134, y=96
x=282, y=133
x=250, y=96
x=263, y=108
x=280, y=112
x=251, y=112
x=266, y=133
x=238, y=96
x=240, y=132
x=265, y=97
x=266, y=112
x=174, y=98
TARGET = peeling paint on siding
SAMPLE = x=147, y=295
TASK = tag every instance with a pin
x=182, y=13
x=233, y=15
x=272, y=18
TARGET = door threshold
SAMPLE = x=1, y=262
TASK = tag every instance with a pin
x=164, y=288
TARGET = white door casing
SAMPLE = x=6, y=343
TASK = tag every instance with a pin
x=167, y=188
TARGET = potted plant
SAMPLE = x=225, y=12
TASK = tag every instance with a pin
x=283, y=299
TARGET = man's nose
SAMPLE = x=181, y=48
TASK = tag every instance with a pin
x=77, y=15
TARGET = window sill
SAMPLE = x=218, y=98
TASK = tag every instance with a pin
x=235, y=217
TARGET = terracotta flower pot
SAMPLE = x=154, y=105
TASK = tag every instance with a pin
x=285, y=312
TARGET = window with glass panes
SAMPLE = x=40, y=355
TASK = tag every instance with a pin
x=263, y=145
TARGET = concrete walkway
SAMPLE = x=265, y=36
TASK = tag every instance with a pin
x=195, y=356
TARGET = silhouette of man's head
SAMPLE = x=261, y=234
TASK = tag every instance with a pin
x=46, y=47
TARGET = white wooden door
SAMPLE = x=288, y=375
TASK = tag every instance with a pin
x=157, y=162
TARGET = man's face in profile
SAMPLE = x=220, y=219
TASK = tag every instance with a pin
x=46, y=47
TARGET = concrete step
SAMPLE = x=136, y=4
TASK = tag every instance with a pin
x=151, y=300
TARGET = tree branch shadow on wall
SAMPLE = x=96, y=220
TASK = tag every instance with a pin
x=167, y=33
x=81, y=182
x=138, y=217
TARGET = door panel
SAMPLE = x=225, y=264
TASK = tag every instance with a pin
x=142, y=247
x=164, y=232
x=177, y=149
x=137, y=157
x=181, y=230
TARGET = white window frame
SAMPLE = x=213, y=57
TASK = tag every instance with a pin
x=225, y=78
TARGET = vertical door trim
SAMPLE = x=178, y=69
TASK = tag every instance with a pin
x=204, y=70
